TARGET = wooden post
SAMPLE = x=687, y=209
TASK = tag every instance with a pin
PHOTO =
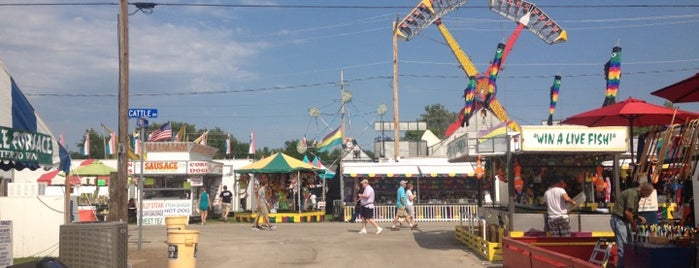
x=122, y=148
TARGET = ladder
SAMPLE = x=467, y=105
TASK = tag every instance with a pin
x=600, y=254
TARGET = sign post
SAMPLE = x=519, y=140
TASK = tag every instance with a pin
x=142, y=123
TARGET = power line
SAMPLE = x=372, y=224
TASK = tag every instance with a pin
x=154, y=4
x=332, y=83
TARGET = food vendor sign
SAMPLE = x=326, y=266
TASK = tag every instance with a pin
x=574, y=139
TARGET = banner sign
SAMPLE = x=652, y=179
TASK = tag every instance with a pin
x=25, y=146
x=5, y=243
x=574, y=139
x=155, y=211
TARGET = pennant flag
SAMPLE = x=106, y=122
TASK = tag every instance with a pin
x=179, y=136
x=469, y=97
x=86, y=145
x=330, y=140
x=136, y=139
x=228, y=145
x=61, y=140
x=163, y=133
x=493, y=74
x=497, y=130
x=612, y=74
x=554, y=97
x=111, y=144
x=252, y=149
x=202, y=139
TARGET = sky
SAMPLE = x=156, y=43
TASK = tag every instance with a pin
x=262, y=68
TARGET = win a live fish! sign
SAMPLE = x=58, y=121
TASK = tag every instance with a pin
x=574, y=139
x=17, y=145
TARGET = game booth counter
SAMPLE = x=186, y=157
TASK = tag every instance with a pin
x=538, y=154
x=292, y=186
x=575, y=154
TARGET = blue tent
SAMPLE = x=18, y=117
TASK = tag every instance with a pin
x=30, y=144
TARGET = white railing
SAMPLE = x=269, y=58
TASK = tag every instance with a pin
x=423, y=213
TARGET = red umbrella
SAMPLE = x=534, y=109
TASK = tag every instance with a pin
x=631, y=112
x=683, y=91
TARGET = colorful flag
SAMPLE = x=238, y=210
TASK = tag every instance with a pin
x=251, y=149
x=330, y=140
x=228, y=145
x=111, y=144
x=180, y=134
x=86, y=145
x=469, y=97
x=493, y=74
x=612, y=74
x=163, y=133
x=497, y=130
x=202, y=139
x=555, y=88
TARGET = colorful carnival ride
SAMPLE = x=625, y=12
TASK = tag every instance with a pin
x=481, y=89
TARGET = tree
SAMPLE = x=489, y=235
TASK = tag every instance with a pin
x=437, y=119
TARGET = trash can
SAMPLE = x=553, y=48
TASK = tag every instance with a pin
x=175, y=223
x=182, y=248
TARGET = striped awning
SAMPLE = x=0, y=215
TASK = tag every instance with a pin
x=381, y=171
x=409, y=170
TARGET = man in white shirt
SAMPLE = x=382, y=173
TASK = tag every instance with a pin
x=556, y=198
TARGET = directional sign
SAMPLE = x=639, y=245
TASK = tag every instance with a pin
x=139, y=113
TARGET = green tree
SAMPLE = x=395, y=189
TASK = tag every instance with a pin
x=437, y=119
x=97, y=146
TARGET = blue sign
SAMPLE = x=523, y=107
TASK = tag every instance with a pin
x=139, y=113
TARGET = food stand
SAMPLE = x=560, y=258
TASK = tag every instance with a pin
x=174, y=175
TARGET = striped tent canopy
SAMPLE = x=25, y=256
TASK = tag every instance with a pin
x=30, y=144
x=277, y=163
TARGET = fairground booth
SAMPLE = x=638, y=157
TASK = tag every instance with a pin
x=294, y=189
x=174, y=175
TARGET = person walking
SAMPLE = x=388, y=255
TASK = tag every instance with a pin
x=226, y=197
x=262, y=209
x=409, y=205
x=400, y=205
x=625, y=214
x=204, y=205
x=357, y=206
x=367, y=198
x=556, y=199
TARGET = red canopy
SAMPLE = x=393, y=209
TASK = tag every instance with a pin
x=631, y=112
x=683, y=91
x=74, y=180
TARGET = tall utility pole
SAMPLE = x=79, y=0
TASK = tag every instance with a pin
x=396, y=127
x=342, y=129
x=123, y=131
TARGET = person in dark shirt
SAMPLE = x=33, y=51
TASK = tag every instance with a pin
x=226, y=197
x=625, y=214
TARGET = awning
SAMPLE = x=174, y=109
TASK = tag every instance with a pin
x=449, y=170
x=388, y=171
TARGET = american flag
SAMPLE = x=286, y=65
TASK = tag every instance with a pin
x=163, y=133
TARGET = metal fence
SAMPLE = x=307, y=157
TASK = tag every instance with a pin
x=423, y=212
